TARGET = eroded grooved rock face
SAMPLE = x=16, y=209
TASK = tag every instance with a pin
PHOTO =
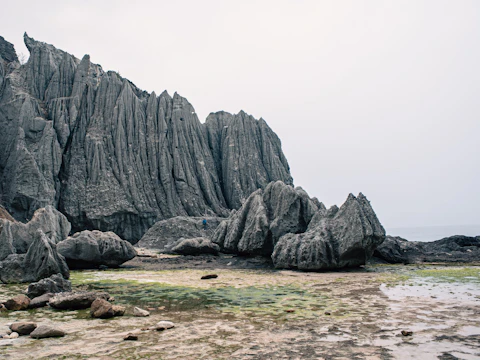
x=41, y=261
x=247, y=155
x=114, y=158
x=264, y=217
x=344, y=237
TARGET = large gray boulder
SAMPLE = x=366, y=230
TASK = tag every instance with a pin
x=115, y=158
x=337, y=238
x=453, y=249
x=265, y=216
x=41, y=261
x=165, y=234
x=90, y=249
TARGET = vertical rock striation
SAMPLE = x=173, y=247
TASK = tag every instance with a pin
x=115, y=158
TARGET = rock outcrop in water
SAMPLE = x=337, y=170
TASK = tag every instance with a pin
x=115, y=158
x=458, y=248
x=299, y=232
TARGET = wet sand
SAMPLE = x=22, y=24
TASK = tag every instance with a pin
x=252, y=311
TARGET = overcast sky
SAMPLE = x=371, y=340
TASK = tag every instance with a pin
x=381, y=96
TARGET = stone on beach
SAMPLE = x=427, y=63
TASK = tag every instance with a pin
x=45, y=331
x=76, y=300
x=23, y=328
x=19, y=302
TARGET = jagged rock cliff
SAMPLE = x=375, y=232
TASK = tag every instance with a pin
x=115, y=158
x=300, y=233
x=335, y=238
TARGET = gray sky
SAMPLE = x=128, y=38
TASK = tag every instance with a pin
x=374, y=96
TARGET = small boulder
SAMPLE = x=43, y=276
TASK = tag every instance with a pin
x=54, y=284
x=19, y=302
x=76, y=300
x=44, y=331
x=101, y=309
x=140, y=312
x=40, y=301
x=407, y=333
x=23, y=328
x=164, y=325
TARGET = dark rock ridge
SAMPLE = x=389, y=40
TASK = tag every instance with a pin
x=456, y=248
x=90, y=249
x=299, y=232
x=164, y=235
x=115, y=158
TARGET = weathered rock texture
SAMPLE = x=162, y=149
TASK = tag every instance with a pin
x=16, y=237
x=456, y=248
x=90, y=249
x=299, y=232
x=164, y=234
x=337, y=238
x=41, y=261
x=115, y=158
x=264, y=217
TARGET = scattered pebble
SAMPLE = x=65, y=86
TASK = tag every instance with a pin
x=407, y=333
x=289, y=310
x=327, y=313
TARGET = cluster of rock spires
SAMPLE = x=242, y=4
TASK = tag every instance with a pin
x=41, y=248
x=281, y=222
x=299, y=232
x=112, y=157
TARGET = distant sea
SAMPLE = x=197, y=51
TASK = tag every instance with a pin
x=432, y=233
